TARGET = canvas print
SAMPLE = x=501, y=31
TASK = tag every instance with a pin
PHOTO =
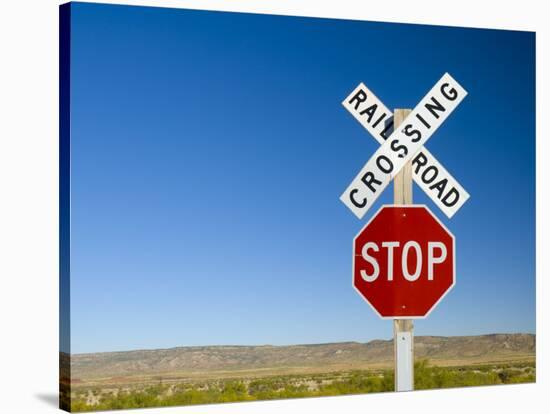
x=258, y=207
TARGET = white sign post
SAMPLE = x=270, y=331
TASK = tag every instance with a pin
x=402, y=145
x=403, y=329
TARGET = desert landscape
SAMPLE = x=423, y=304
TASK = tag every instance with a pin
x=212, y=374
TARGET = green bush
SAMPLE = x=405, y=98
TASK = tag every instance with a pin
x=426, y=376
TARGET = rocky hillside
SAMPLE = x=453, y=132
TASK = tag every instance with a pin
x=463, y=349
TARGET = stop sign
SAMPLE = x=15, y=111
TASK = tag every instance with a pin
x=403, y=261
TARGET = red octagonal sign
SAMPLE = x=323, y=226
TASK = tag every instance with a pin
x=403, y=261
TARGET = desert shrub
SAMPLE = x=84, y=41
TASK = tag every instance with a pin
x=294, y=386
x=128, y=399
x=79, y=405
x=428, y=377
x=234, y=391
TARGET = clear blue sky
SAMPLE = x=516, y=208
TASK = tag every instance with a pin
x=209, y=151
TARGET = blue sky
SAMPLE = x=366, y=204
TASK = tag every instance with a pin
x=209, y=151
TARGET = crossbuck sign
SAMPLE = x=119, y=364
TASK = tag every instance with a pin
x=404, y=258
x=405, y=144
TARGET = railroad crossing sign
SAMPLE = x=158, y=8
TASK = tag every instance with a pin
x=403, y=261
x=404, y=258
x=404, y=144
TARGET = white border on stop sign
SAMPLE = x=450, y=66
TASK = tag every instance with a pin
x=454, y=260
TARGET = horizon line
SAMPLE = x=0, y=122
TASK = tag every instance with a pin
x=288, y=345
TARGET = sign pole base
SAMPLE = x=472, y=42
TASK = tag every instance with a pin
x=403, y=343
